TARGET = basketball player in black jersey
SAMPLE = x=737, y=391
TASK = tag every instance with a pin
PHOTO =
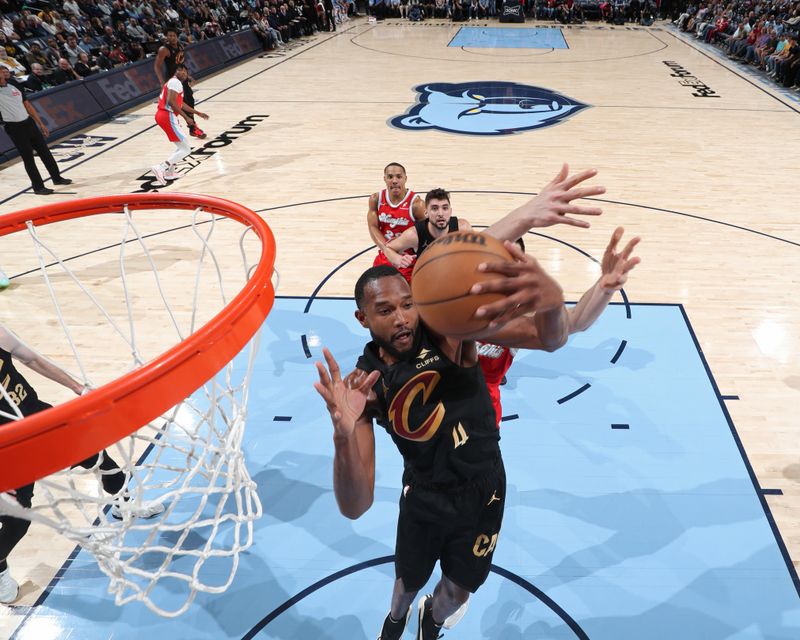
x=439, y=220
x=18, y=398
x=427, y=391
x=170, y=56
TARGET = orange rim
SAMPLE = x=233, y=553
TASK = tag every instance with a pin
x=55, y=439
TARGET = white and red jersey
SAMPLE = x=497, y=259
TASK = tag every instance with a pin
x=175, y=85
x=393, y=218
x=495, y=361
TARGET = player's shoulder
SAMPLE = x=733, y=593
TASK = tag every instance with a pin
x=175, y=84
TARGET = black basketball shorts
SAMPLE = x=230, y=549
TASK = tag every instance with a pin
x=459, y=528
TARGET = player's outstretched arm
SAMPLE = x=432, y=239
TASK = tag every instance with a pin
x=553, y=205
x=527, y=289
x=615, y=269
x=394, y=250
x=353, y=437
x=38, y=363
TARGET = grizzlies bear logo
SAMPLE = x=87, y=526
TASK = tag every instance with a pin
x=486, y=108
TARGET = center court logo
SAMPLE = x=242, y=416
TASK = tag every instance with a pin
x=486, y=108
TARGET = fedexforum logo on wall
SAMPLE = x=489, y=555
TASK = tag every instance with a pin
x=486, y=108
x=197, y=156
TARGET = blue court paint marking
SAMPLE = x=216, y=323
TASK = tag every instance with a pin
x=764, y=505
x=622, y=346
x=513, y=416
x=304, y=340
x=282, y=419
x=620, y=426
x=730, y=397
x=508, y=38
x=577, y=392
x=508, y=575
x=772, y=492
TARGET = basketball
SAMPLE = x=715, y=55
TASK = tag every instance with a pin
x=444, y=275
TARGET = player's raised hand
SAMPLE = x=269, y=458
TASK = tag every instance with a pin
x=345, y=399
x=616, y=266
x=554, y=204
x=527, y=287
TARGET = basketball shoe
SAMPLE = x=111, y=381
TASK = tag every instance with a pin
x=158, y=172
x=9, y=588
x=146, y=511
x=171, y=174
x=197, y=132
x=394, y=630
x=428, y=629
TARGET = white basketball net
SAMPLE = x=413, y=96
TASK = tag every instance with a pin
x=114, y=315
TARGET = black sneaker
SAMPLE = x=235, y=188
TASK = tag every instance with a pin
x=392, y=630
x=43, y=191
x=62, y=180
x=428, y=629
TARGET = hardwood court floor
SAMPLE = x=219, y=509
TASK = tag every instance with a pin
x=708, y=183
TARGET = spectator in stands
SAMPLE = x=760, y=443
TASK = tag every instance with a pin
x=38, y=80
x=71, y=50
x=64, y=73
x=52, y=53
x=84, y=66
x=116, y=54
x=104, y=60
x=35, y=56
x=135, y=31
x=71, y=8
x=16, y=68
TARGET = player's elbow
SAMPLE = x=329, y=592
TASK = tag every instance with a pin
x=554, y=341
x=354, y=510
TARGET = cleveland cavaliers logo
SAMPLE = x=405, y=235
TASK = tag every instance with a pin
x=423, y=383
x=486, y=108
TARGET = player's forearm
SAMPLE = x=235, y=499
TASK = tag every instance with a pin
x=377, y=236
x=592, y=303
x=512, y=226
x=351, y=482
x=49, y=370
x=552, y=327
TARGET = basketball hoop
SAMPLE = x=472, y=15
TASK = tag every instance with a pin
x=175, y=417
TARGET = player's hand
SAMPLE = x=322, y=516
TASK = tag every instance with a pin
x=44, y=130
x=204, y=116
x=616, y=266
x=527, y=288
x=405, y=261
x=345, y=399
x=554, y=203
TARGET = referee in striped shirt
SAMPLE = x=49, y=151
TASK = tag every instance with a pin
x=27, y=132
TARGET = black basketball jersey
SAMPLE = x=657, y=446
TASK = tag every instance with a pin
x=19, y=390
x=176, y=56
x=424, y=234
x=439, y=414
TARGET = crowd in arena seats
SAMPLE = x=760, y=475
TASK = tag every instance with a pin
x=45, y=44
x=562, y=11
x=761, y=34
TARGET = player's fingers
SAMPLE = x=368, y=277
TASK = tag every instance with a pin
x=630, y=264
x=615, y=237
x=515, y=250
x=510, y=269
x=579, y=177
x=626, y=252
x=336, y=374
x=583, y=192
x=323, y=391
x=324, y=378
x=579, y=210
x=504, y=310
x=561, y=175
x=369, y=381
x=573, y=222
